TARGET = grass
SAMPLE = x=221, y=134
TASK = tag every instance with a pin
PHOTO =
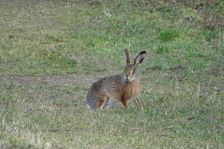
x=51, y=52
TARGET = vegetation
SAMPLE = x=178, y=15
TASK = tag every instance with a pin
x=51, y=52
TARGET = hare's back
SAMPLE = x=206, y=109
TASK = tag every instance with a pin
x=113, y=83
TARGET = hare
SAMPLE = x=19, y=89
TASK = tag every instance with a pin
x=121, y=87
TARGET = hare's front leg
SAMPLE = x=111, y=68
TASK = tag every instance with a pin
x=139, y=104
x=125, y=103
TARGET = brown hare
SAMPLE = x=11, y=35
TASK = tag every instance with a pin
x=122, y=87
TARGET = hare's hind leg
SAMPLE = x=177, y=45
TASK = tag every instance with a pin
x=102, y=102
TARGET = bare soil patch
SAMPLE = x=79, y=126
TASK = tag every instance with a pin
x=54, y=80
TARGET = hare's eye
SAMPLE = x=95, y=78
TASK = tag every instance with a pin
x=133, y=72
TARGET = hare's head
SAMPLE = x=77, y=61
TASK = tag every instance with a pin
x=130, y=68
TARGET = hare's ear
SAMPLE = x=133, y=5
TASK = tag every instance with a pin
x=139, y=58
x=128, y=60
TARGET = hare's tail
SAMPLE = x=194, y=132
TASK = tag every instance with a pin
x=90, y=104
x=87, y=104
x=88, y=107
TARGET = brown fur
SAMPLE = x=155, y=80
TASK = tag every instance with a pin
x=121, y=87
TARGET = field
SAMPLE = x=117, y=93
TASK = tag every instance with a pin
x=51, y=51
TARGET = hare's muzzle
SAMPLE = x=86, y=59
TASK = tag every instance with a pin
x=128, y=78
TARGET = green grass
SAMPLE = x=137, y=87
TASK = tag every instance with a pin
x=51, y=52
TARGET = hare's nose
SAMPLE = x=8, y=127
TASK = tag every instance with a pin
x=127, y=77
